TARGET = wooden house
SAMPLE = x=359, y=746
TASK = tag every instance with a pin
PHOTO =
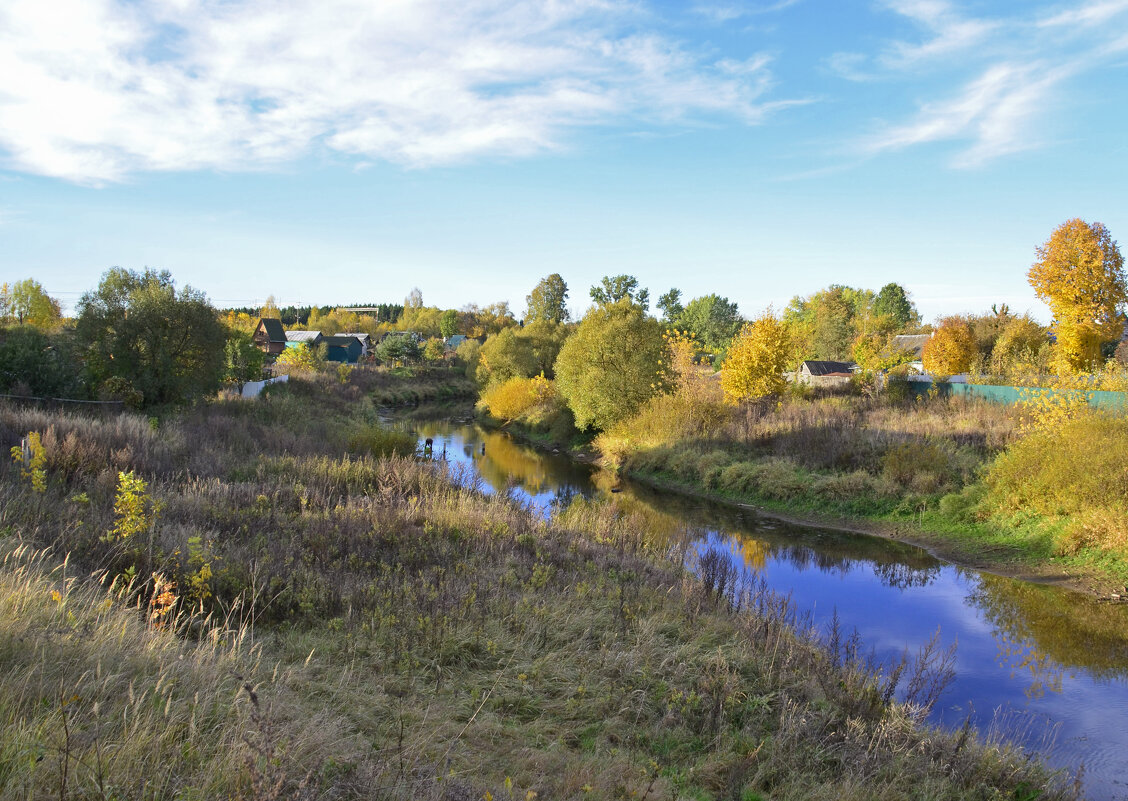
x=270, y=336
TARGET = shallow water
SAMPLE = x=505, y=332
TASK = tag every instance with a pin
x=1045, y=667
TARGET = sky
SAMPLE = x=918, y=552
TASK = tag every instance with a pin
x=346, y=151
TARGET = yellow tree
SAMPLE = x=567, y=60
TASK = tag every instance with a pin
x=756, y=360
x=950, y=349
x=1079, y=273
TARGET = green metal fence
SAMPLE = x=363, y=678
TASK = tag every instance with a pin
x=1100, y=399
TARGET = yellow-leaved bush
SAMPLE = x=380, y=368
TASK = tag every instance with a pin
x=513, y=398
x=950, y=350
x=756, y=360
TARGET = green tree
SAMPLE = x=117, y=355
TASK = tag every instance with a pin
x=398, y=348
x=548, y=300
x=1079, y=273
x=29, y=304
x=671, y=306
x=243, y=360
x=505, y=355
x=613, y=289
x=448, y=323
x=40, y=363
x=827, y=323
x=609, y=367
x=756, y=360
x=138, y=328
x=892, y=302
x=713, y=319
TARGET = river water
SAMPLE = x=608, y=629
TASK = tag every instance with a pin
x=1041, y=666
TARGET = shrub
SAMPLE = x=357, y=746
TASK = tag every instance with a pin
x=515, y=397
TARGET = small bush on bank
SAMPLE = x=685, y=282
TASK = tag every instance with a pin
x=517, y=396
x=378, y=440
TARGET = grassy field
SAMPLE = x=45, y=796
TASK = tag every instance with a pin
x=278, y=613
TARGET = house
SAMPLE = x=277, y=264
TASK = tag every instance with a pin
x=825, y=373
x=364, y=339
x=912, y=343
x=270, y=336
x=311, y=338
x=341, y=348
x=454, y=341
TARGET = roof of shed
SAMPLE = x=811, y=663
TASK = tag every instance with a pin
x=829, y=368
x=273, y=327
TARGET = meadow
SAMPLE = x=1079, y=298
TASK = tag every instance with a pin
x=275, y=599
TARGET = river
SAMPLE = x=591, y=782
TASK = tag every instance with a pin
x=1039, y=665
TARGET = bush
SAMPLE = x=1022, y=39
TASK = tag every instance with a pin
x=515, y=397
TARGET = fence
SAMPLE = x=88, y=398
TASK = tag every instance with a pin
x=1100, y=399
x=68, y=403
x=252, y=389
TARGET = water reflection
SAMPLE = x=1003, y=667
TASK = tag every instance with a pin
x=1032, y=660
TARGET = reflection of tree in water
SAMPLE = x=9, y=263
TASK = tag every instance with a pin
x=901, y=576
x=1043, y=629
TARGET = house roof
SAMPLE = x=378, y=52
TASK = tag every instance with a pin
x=910, y=342
x=341, y=340
x=273, y=328
x=303, y=336
x=361, y=336
x=829, y=368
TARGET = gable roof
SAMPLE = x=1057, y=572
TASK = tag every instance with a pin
x=303, y=336
x=341, y=341
x=363, y=337
x=910, y=342
x=273, y=328
x=828, y=368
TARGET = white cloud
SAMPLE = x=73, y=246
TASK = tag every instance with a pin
x=951, y=33
x=993, y=112
x=93, y=90
x=1011, y=71
x=727, y=12
x=1094, y=13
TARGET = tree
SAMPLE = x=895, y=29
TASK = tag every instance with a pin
x=433, y=350
x=1018, y=345
x=448, y=324
x=505, y=355
x=609, y=367
x=548, y=300
x=270, y=309
x=139, y=329
x=414, y=299
x=713, y=319
x=398, y=348
x=892, y=302
x=613, y=289
x=301, y=357
x=826, y=323
x=950, y=350
x=1079, y=273
x=756, y=360
x=243, y=360
x=671, y=306
x=40, y=363
x=29, y=304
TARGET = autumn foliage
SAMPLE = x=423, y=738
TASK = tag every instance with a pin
x=1079, y=273
x=950, y=349
x=756, y=360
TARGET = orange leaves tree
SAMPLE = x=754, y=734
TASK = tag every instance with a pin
x=1079, y=273
x=950, y=349
x=756, y=360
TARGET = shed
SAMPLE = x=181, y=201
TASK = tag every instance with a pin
x=454, y=341
x=342, y=348
x=270, y=335
x=826, y=373
x=364, y=339
x=311, y=338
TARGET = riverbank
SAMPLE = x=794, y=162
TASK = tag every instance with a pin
x=996, y=558
x=375, y=624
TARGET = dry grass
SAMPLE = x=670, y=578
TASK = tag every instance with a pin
x=407, y=637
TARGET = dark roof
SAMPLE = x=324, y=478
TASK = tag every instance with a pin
x=340, y=341
x=828, y=368
x=274, y=330
x=910, y=342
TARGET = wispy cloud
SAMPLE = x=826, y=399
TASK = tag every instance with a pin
x=94, y=90
x=727, y=12
x=1087, y=14
x=1011, y=73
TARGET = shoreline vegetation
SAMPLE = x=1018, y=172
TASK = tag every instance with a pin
x=918, y=471
x=270, y=598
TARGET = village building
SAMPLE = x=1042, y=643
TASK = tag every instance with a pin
x=270, y=336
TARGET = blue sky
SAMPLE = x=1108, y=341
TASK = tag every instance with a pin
x=330, y=151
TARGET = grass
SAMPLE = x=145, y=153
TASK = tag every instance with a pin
x=373, y=628
x=935, y=468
